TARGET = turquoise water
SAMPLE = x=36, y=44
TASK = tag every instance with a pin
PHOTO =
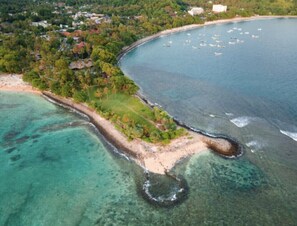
x=237, y=79
x=55, y=169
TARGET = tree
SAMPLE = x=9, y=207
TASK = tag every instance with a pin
x=30, y=76
x=99, y=53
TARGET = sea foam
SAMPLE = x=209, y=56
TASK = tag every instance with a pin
x=241, y=121
x=289, y=134
x=254, y=145
x=229, y=114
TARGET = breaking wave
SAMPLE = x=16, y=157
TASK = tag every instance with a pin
x=241, y=121
x=289, y=134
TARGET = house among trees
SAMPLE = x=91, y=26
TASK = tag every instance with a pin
x=43, y=23
x=219, y=8
x=196, y=11
x=81, y=64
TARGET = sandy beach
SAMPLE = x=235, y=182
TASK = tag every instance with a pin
x=156, y=158
x=14, y=82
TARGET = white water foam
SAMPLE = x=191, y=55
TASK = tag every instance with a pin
x=289, y=134
x=241, y=121
x=254, y=145
x=229, y=114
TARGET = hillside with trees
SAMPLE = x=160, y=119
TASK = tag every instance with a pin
x=70, y=47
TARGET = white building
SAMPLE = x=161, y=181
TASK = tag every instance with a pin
x=196, y=11
x=219, y=8
x=43, y=23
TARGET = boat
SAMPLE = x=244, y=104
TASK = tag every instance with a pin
x=218, y=54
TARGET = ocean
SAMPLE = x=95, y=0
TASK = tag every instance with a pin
x=238, y=79
x=57, y=169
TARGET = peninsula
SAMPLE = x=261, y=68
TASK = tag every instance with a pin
x=156, y=158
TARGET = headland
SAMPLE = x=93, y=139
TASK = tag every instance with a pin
x=156, y=158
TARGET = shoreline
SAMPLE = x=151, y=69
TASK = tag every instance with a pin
x=14, y=82
x=189, y=27
x=155, y=158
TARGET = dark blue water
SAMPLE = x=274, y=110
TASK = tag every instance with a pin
x=239, y=79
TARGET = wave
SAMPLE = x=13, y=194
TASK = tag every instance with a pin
x=66, y=107
x=254, y=145
x=111, y=146
x=289, y=134
x=241, y=121
x=175, y=195
x=229, y=114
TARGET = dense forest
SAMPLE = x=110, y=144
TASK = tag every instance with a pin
x=71, y=46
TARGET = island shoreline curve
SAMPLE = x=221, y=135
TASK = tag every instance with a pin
x=152, y=157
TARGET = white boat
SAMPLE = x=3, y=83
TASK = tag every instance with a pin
x=212, y=45
x=259, y=29
x=246, y=32
x=203, y=44
x=219, y=46
x=255, y=36
x=218, y=54
x=231, y=43
x=230, y=31
x=194, y=47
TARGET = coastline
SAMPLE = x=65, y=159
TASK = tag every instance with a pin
x=14, y=82
x=155, y=158
x=191, y=27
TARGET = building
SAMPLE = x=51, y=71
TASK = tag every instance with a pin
x=196, y=11
x=219, y=8
x=43, y=23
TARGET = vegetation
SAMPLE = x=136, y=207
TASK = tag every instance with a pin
x=70, y=47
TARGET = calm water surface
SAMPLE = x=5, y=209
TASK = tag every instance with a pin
x=237, y=79
x=55, y=169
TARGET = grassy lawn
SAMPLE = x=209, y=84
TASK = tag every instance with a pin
x=133, y=117
x=125, y=105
